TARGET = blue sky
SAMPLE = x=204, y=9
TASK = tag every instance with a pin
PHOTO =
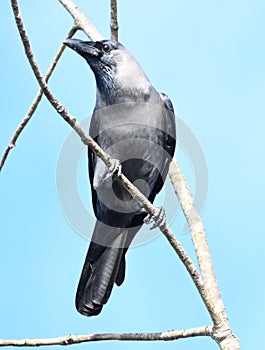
x=208, y=56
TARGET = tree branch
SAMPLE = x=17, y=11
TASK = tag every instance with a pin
x=33, y=107
x=213, y=299
x=76, y=339
x=81, y=21
x=114, y=26
x=198, y=234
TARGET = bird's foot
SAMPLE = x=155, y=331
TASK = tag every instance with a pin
x=158, y=217
x=114, y=171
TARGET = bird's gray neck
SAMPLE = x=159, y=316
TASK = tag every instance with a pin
x=121, y=81
x=113, y=96
x=111, y=92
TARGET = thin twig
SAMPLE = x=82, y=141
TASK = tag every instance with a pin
x=76, y=339
x=81, y=21
x=114, y=26
x=33, y=107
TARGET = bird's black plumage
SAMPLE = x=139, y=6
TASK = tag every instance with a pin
x=135, y=124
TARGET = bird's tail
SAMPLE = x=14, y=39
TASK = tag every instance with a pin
x=103, y=266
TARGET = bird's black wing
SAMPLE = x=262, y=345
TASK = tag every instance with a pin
x=169, y=144
x=170, y=124
x=91, y=167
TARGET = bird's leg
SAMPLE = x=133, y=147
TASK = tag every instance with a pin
x=158, y=217
x=114, y=171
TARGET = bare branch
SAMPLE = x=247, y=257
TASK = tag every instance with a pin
x=213, y=299
x=33, y=107
x=193, y=218
x=81, y=21
x=198, y=235
x=114, y=26
x=76, y=339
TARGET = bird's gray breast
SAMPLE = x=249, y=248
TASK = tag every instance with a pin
x=130, y=130
x=133, y=133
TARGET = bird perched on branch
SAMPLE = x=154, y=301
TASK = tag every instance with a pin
x=135, y=124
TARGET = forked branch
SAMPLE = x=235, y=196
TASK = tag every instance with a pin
x=81, y=21
x=35, y=103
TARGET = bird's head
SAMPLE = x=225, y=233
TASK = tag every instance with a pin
x=114, y=67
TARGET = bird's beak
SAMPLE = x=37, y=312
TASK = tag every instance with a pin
x=84, y=48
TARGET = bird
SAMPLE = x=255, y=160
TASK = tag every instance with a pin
x=135, y=125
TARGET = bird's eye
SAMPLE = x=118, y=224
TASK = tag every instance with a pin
x=106, y=48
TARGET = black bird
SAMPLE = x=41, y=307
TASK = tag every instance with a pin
x=135, y=124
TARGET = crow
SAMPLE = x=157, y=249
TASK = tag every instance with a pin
x=135, y=124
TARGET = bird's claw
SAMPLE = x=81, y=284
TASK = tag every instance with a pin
x=114, y=170
x=158, y=217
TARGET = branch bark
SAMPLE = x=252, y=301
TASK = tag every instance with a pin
x=81, y=21
x=76, y=339
x=213, y=300
x=114, y=26
x=35, y=103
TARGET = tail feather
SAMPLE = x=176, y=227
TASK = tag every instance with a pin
x=98, y=277
x=121, y=272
